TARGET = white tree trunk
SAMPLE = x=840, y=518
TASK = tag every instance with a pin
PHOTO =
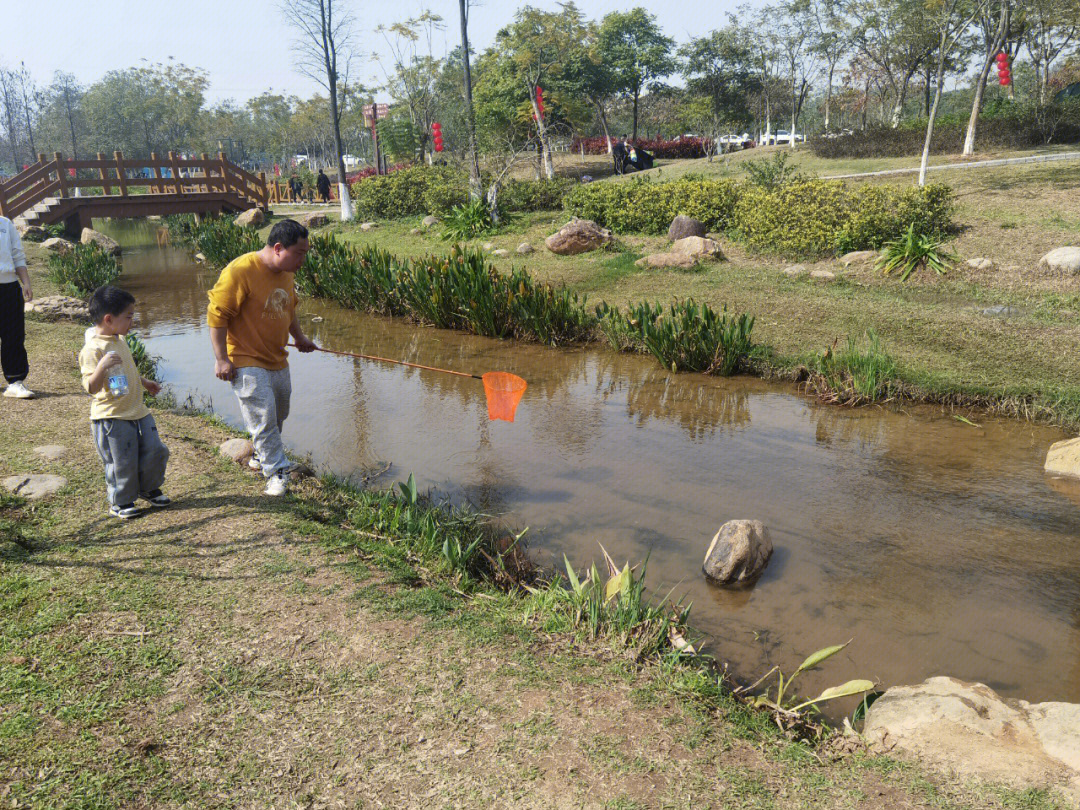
x=346, y=202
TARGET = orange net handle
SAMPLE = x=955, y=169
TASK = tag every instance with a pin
x=504, y=391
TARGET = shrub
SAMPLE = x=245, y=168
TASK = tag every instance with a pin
x=410, y=192
x=800, y=218
x=83, y=269
x=641, y=206
x=658, y=147
x=467, y=221
x=535, y=195
x=771, y=172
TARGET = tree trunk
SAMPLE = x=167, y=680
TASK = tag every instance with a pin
x=329, y=53
x=937, y=100
x=980, y=82
x=470, y=116
x=637, y=93
x=541, y=129
x=828, y=94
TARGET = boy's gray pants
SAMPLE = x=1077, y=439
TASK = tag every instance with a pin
x=134, y=457
x=264, y=404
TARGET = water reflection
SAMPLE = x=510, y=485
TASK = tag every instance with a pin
x=939, y=547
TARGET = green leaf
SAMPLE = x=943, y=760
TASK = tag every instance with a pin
x=618, y=584
x=855, y=687
x=575, y=583
x=818, y=657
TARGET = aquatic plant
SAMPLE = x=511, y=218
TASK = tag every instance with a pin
x=688, y=337
x=856, y=375
x=82, y=269
x=144, y=361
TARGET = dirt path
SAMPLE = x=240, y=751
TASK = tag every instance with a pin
x=219, y=654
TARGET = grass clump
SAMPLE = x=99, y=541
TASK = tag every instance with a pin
x=82, y=269
x=688, y=337
x=467, y=221
x=856, y=375
x=912, y=251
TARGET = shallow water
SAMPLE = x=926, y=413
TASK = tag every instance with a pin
x=938, y=547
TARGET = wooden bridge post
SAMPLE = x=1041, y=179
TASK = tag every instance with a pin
x=158, y=189
x=3, y=200
x=175, y=166
x=206, y=173
x=120, y=175
x=226, y=181
x=106, y=186
x=265, y=190
x=60, y=173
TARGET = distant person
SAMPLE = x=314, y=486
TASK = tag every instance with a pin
x=124, y=431
x=294, y=187
x=252, y=313
x=13, y=271
x=322, y=184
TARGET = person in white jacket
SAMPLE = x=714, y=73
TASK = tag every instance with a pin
x=14, y=292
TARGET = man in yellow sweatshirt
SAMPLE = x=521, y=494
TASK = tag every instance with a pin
x=251, y=315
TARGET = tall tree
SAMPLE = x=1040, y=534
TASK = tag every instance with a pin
x=472, y=159
x=993, y=21
x=795, y=30
x=718, y=69
x=831, y=43
x=1050, y=26
x=952, y=18
x=636, y=53
x=414, y=71
x=324, y=46
x=29, y=104
x=67, y=98
x=9, y=97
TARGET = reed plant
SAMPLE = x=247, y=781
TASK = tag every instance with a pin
x=687, y=337
x=82, y=269
x=219, y=239
x=860, y=373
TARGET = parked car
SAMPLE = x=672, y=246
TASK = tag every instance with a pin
x=781, y=136
x=730, y=142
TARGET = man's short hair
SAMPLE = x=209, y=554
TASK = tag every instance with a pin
x=286, y=233
x=108, y=300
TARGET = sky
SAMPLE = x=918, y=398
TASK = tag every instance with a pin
x=244, y=45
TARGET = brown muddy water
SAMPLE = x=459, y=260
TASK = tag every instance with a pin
x=937, y=547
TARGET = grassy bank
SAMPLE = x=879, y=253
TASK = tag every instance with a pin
x=238, y=651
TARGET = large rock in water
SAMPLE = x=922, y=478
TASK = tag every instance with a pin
x=252, y=218
x=1063, y=261
x=578, y=236
x=967, y=729
x=683, y=226
x=699, y=247
x=738, y=553
x=1063, y=458
x=106, y=243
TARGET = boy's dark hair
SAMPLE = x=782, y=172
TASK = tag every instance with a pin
x=108, y=300
x=287, y=233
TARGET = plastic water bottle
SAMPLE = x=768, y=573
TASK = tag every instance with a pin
x=117, y=381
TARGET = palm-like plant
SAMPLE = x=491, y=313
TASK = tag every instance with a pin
x=909, y=252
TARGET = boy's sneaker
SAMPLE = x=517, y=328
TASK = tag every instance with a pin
x=254, y=462
x=278, y=484
x=156, y=498
x=18, y=391
x=124, y=511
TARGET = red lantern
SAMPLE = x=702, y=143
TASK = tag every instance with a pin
x=1004, y=76
x=540, y=100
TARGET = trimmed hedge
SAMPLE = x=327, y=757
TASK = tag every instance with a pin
x=799, y=218
x=657, y=147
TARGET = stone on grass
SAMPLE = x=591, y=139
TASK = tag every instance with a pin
x=416, y=231
x=795, y=270
x=51, y=452
x=1062, y=261
x=524, y=248
x=1063, y=458
x=59, y=245
x=489, y=246
x=58, y=306
x=429, y=221
x=738, y=553
x=314, y=219
x=252, y=218
x=368, y=226
x=106, y=243
x=199, y=257
x=858, y=257
x=699, y=247
x=500, y=252
x=823, y=275
x=980, y=264
x=239, y=450
x=299, y=471
x=34, y=487
x=578, y=236
x=683, y=226
x=30, y=233
x=671, y=259
x=967, y=730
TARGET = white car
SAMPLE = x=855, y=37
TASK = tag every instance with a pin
x=781, y=136
x=733, y=141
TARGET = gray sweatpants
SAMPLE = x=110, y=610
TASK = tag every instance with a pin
x=134, y=457
x=264, y=404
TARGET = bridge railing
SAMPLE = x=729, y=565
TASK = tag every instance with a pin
x=173, y=176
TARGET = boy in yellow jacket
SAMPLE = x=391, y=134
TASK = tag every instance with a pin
x=124, y=431
x=252, y=313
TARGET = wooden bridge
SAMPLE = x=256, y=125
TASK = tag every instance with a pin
x=73, y=192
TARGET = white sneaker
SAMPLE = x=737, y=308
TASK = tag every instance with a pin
x=254, y=462
x=18, y=391
x=277, y=485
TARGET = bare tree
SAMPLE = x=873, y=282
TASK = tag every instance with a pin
x=29, y=100
x=796, y=47
x=1049, y=26
x=10, y=99
x=831, y=43
x=324, y=47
